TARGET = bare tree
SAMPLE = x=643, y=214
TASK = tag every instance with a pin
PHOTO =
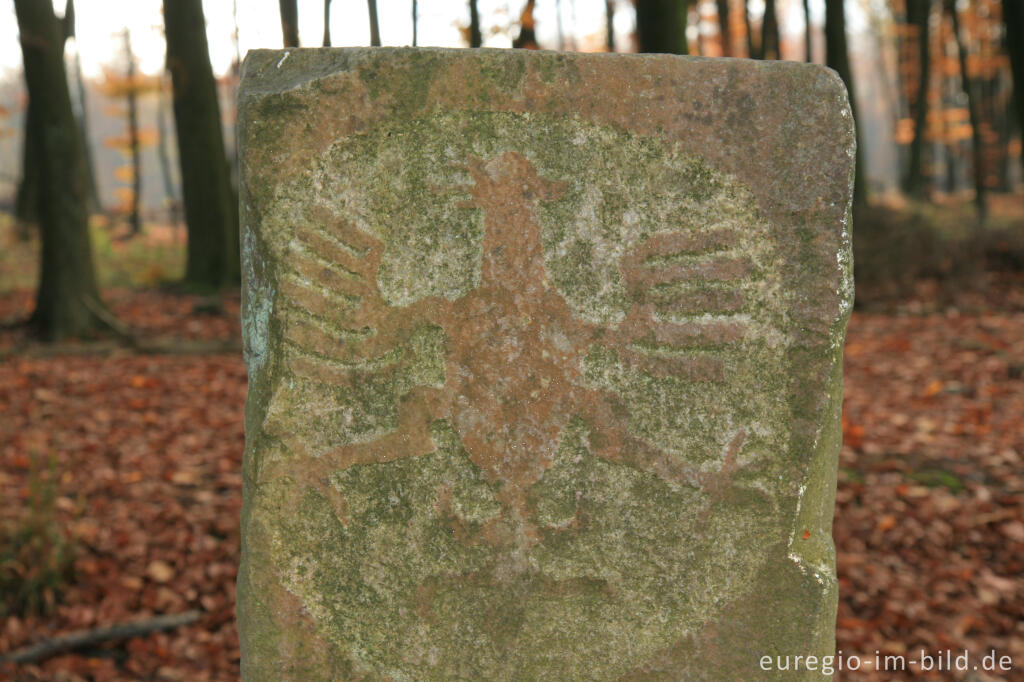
x=977, y=150
x=211, y=211
x=661, y=25
x=770, y=32
x=327, y=23
x=83, y=109
x=27, y=199
x=527, y=38
x=752, y=46
x=609, y=25
x=723, y=27
x=289, y=22
x=693, y=19
x=837, y=56
x=67, y=301
x=559, y=29
x=131, y=94
x=572, y=25
x=808, y=54
x=1013, y=22
x=475, y=39
x=236, y=65
x=164, y=157
x=919, y=15
x=374, y=26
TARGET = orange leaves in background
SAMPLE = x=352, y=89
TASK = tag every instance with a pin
x=933, y=388
x=122, y=143
x=853, y=435
x=928, y=524
x=118, y=85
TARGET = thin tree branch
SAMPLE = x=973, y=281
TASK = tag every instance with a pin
x=80, y=639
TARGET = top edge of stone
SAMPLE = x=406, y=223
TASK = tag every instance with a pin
x=267, y=71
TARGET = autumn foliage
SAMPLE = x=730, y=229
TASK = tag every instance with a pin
x=146, y=479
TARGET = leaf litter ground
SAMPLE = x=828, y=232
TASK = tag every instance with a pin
x=147, y=451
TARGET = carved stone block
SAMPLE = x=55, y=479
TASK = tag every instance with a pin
x=544, y=358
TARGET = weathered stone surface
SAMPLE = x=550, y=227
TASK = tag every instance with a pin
x=544, y=358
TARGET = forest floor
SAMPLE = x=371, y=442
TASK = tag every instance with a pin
x=134, y=460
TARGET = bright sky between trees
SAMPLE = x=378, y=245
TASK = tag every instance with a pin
x=100, y=24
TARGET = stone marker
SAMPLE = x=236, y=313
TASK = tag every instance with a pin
x=544, y=356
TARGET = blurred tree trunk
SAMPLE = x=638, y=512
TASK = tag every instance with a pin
x=327, y=23
x=661, y=26
x=770, y=32
x=27, y=197
x=289, y=22
x=26, y=202
x=977, y=150
x=83, y=116
x=527, y=38
x=723, y=27
x=211, y=211
x=165, y=158
x=837, y=56
x=991, y=107
x=1013, y=22
x=95, y=204
x=475, y=39
x=559, y=31
x=609, y=25
x=752, y=48
x=133, y=136
x=374, y=26
x=808, y=54
x=572, y=25
x=693, y=19
x=1005, y=118
x=918, y=14
x=67, y=302
x=236, y=65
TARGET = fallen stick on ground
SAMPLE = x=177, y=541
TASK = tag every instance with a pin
x=146, y=346
x=83, y=638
